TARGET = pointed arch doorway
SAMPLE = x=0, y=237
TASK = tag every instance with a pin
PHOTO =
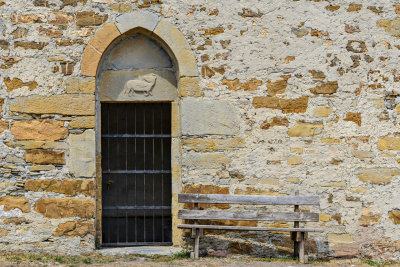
x=136, y=85
x=111, y=89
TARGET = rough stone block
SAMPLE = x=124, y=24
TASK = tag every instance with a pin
x=17, y=83
x=343, y=245
x=368, y=219
x=3, y=126
x=378, y=175
x=325, y=217
x=391, y=26
x=30, y=45
x=145, y=20
x=362, y=154
x=277, y=121
x=76, y=85
x=41, y=156
x=322, y=112
x=58, y=104
x=11, y=203
x=204, y=145
x=16, y=220
x=298, y=105
x=89, y=18
x=394, y=216
x=67, y=186
x=190, y=87
x=276, y=87
x=234, y=85
x=39, y=130
x=82, y=154
x=60, y=19
x=38, y=144
x=65, y=207
x=389, y=143
x=295, y=160
x=37, y=168
x=306, y=129
x=87, y=122
x=354, y=117
x=326, y=88
x=209, y=117
x=340, y=238
x=215, y=160
x=75, y=228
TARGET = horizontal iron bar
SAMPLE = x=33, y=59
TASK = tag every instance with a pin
x=136, y=207
x=136, y=171
x=133, y=244
x=137, y=135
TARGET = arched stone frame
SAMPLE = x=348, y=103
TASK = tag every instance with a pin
x=176, y=45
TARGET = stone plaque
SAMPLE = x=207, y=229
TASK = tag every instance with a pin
x=138, y=85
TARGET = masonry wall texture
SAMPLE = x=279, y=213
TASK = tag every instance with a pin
x=291, y=95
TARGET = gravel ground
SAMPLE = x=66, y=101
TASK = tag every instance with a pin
x=137, y=260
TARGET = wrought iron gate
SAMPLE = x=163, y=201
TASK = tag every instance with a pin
x=136, y=168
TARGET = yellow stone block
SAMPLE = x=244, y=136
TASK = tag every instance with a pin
x=340, y=238
x=389, y=143
x=322, y=112
x=295, y=160
x=325, y=217
x=306, y=129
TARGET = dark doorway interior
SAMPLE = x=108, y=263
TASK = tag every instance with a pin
x=136, y=174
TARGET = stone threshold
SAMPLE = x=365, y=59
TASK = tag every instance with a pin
x=142, y=250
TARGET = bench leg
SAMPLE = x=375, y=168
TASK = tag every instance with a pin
x=296, y=245
x=301, y=248
x=195, y=253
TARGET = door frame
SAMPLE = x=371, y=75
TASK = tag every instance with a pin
x=175, y=170
x=188, y=77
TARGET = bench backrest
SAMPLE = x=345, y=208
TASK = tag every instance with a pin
x=247, y=200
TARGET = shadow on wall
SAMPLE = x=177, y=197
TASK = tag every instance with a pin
x=223, y=243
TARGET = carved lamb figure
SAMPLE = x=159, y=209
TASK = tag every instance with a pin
x=143, y=84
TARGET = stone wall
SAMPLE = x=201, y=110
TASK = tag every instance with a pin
x=291, y=95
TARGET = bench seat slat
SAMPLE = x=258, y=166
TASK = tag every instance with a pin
x=247, y=215
x=248, y=228
x=248, y=199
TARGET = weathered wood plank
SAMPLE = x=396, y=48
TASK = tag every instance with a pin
x=247, y=215
x=248, y=228
x=248, y=199
x=302, y=249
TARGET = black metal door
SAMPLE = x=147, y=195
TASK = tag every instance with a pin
x=136, y=168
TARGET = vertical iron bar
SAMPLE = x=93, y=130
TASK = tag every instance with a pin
x=108, y=159
x=135, y=175
x=118, y=198
x=126, y=175
x=144, y=175
x=162, y=175
x=154, y=219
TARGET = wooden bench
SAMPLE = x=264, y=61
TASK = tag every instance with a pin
x=298, y=234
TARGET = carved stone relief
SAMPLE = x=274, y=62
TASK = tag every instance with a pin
x=136, y=68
